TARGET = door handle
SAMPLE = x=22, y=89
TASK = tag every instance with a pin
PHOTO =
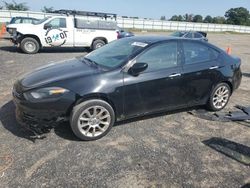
x=174, y=75
x=214, y=67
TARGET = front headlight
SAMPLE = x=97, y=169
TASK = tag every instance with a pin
x=46, y=93
x=11, y=30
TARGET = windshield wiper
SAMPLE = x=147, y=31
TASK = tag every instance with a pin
x=91, y=61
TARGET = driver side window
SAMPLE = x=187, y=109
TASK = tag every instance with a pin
x=160, y=57
x=58, y=23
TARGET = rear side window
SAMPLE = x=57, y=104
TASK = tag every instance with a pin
x=27, y=20
x=197, y=35
x=189, y=35
x=197, y=53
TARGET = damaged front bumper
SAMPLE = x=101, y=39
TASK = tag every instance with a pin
x=40, y=118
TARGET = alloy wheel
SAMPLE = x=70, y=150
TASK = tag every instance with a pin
x=94, y=121
x=221, y=97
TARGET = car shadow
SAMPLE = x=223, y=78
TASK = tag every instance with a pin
x=8, y=120
x=233, y=150
x=246, y=185
x=14, y=49
x=63, y=130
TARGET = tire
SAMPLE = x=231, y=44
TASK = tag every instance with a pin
x=98, y=44
x=219, y=97
x=30, y=45
x=90, y=128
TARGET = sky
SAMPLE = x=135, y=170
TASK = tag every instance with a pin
x=143, y=8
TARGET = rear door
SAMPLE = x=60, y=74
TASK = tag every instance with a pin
x=200, y=71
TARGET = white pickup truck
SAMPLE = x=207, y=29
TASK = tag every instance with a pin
x=62, y=31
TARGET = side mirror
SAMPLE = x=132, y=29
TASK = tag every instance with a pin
x=47, y=26
x=137, y=68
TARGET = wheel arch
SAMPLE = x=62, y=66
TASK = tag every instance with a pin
x=97, y=96
x=100, y=38
x=31, y=36
x=230, y=85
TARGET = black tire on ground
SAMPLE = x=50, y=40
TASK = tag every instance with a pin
x=29, y=45
x=80, y=108
x=210, y=105
x=97, y=44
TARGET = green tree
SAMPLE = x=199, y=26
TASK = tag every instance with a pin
x=238, y=16
x=197, y=18
x=188, y=17
x=163, y=18
x=176, y=18
x=47, y=9
x=180, y=18
x=219, y=20
x=15, y=6
x=208, y=19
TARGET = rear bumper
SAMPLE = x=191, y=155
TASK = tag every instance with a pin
x=237, y=79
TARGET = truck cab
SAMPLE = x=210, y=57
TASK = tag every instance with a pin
x=63, y=31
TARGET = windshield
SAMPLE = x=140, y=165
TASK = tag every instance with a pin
x=177, y=34
x=116, y=53
x=41, y=21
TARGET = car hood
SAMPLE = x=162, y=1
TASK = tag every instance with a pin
x=58, y=71
x=20, y=25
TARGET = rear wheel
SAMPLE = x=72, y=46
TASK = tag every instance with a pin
x=92, y=119
x=29, y=45
x=219, y=97
x=98, y=44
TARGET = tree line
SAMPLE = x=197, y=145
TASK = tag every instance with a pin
x=234, y=16
x=21, y=6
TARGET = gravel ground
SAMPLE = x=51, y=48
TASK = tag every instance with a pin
x=164, y=150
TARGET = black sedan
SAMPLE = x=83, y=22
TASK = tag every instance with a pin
x=126, y=78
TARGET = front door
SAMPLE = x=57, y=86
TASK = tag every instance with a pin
x=59, y=34
x=159, y=86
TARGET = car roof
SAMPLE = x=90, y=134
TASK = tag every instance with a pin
x=155, y=39
x=152, y=39
x=22, y=17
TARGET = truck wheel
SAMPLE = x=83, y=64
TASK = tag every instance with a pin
x=29, y=45
x=98, y=44
x=92, y=119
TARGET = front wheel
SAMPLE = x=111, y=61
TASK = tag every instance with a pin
x=29, y=45
x=219, y=97
x=92, y=119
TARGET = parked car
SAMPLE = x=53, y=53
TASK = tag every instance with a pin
x=122, y=33
x=127, y=78
x=63, y=31
x=20, y=20
x=197, y=35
